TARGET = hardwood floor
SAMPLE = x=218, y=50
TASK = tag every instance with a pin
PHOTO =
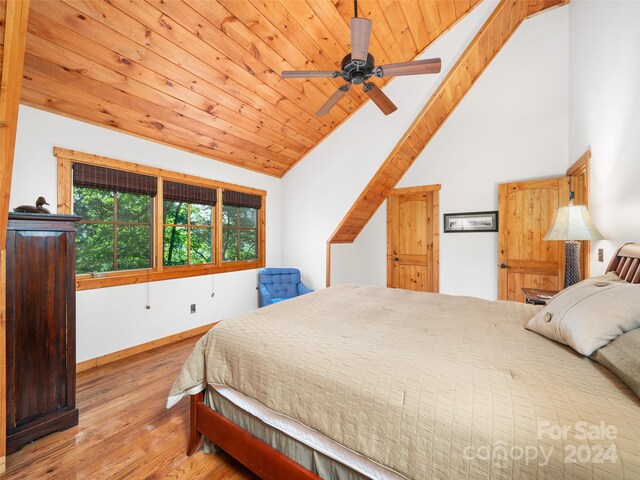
x=125, y=431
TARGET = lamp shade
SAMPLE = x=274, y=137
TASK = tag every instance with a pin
x=573, y=222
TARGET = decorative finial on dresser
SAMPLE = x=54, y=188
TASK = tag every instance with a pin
x=31, y=209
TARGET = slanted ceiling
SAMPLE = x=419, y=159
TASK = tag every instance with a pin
x=493, y=35
x=203, y=75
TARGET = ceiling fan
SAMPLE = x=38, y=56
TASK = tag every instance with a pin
x=359, y=66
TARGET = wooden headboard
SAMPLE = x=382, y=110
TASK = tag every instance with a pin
x=626, y=263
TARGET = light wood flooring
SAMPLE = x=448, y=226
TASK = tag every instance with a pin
x=125, y=431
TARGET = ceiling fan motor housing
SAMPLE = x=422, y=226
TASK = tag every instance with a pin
x=357, y=71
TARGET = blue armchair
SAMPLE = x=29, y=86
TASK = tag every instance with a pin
x=277, y=284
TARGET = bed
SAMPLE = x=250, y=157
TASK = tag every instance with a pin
x=357, y=382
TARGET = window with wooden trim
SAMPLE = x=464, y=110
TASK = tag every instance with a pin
x=143, y=224
x=188, y=221
x=240, y=226
x=115, y=232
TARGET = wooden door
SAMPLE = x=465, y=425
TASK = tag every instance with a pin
x=412, y=239
x=526, y=212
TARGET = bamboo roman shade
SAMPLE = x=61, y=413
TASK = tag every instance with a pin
x=94, y=176
x=182, y=192
x=240, y=199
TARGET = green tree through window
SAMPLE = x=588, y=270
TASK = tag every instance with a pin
x=239, y=233
x=142, y=224
x=188, y=233
x=115, y=232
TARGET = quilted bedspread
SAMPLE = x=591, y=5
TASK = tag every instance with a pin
x=428, y=385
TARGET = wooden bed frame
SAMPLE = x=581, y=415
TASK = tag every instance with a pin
x=626, y=263
x=269, y=463
x=259, y=457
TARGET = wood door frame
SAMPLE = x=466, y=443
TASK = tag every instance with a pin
x=581, y=168
x=15, y=37
x=435, y=190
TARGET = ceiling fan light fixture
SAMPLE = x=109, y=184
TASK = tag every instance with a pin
x=333, y=99
x=310, y=74
x=378, y=97
x=416, y=67
x=360, y=37
x=359, y=66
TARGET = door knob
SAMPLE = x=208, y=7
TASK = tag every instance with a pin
x=397, y=259
x=503, y=265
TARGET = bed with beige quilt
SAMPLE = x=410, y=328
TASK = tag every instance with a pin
x=417, y=386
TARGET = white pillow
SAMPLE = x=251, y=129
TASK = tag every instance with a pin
x=590, y=314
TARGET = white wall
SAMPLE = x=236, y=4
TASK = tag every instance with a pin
x=364, y=260
x=115, y=318
x=324, y=185
x=512, y=125
x=604, y=111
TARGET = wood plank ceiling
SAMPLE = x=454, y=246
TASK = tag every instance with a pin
x=492, y=36
x=203, y=75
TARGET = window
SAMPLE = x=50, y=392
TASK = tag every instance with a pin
x=188, y=224
x=115, y=232
x=143, y=224
x=240, y=226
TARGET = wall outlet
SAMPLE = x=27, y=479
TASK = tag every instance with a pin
x=601, y=255
x=193, y=308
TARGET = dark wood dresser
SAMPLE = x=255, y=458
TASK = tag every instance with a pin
x=41, y=328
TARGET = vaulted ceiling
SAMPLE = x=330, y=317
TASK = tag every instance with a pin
x=492, y=36
x=203, y=75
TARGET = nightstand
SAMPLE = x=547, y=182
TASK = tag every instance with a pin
x=537, y=296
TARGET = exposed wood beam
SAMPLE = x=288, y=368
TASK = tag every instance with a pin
x=15, y=34
x=498, y=28
x=580, y=166
x=16, y=15
x=3, y=360
x=538, y=6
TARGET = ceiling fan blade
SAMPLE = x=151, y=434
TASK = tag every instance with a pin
x=380, y=99
x=417, y=67
x=360, y=34
x=310, y=74
x=333, y=99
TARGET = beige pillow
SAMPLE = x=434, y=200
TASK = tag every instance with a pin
x=622, y=357
x=590, y=314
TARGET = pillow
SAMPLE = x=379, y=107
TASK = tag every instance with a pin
x=622, y=357
x=608, y=277
x=590, y=314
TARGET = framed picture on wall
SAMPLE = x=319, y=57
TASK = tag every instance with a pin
x=471, y=222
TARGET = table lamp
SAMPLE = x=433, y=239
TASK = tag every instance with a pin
x=571, y=224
